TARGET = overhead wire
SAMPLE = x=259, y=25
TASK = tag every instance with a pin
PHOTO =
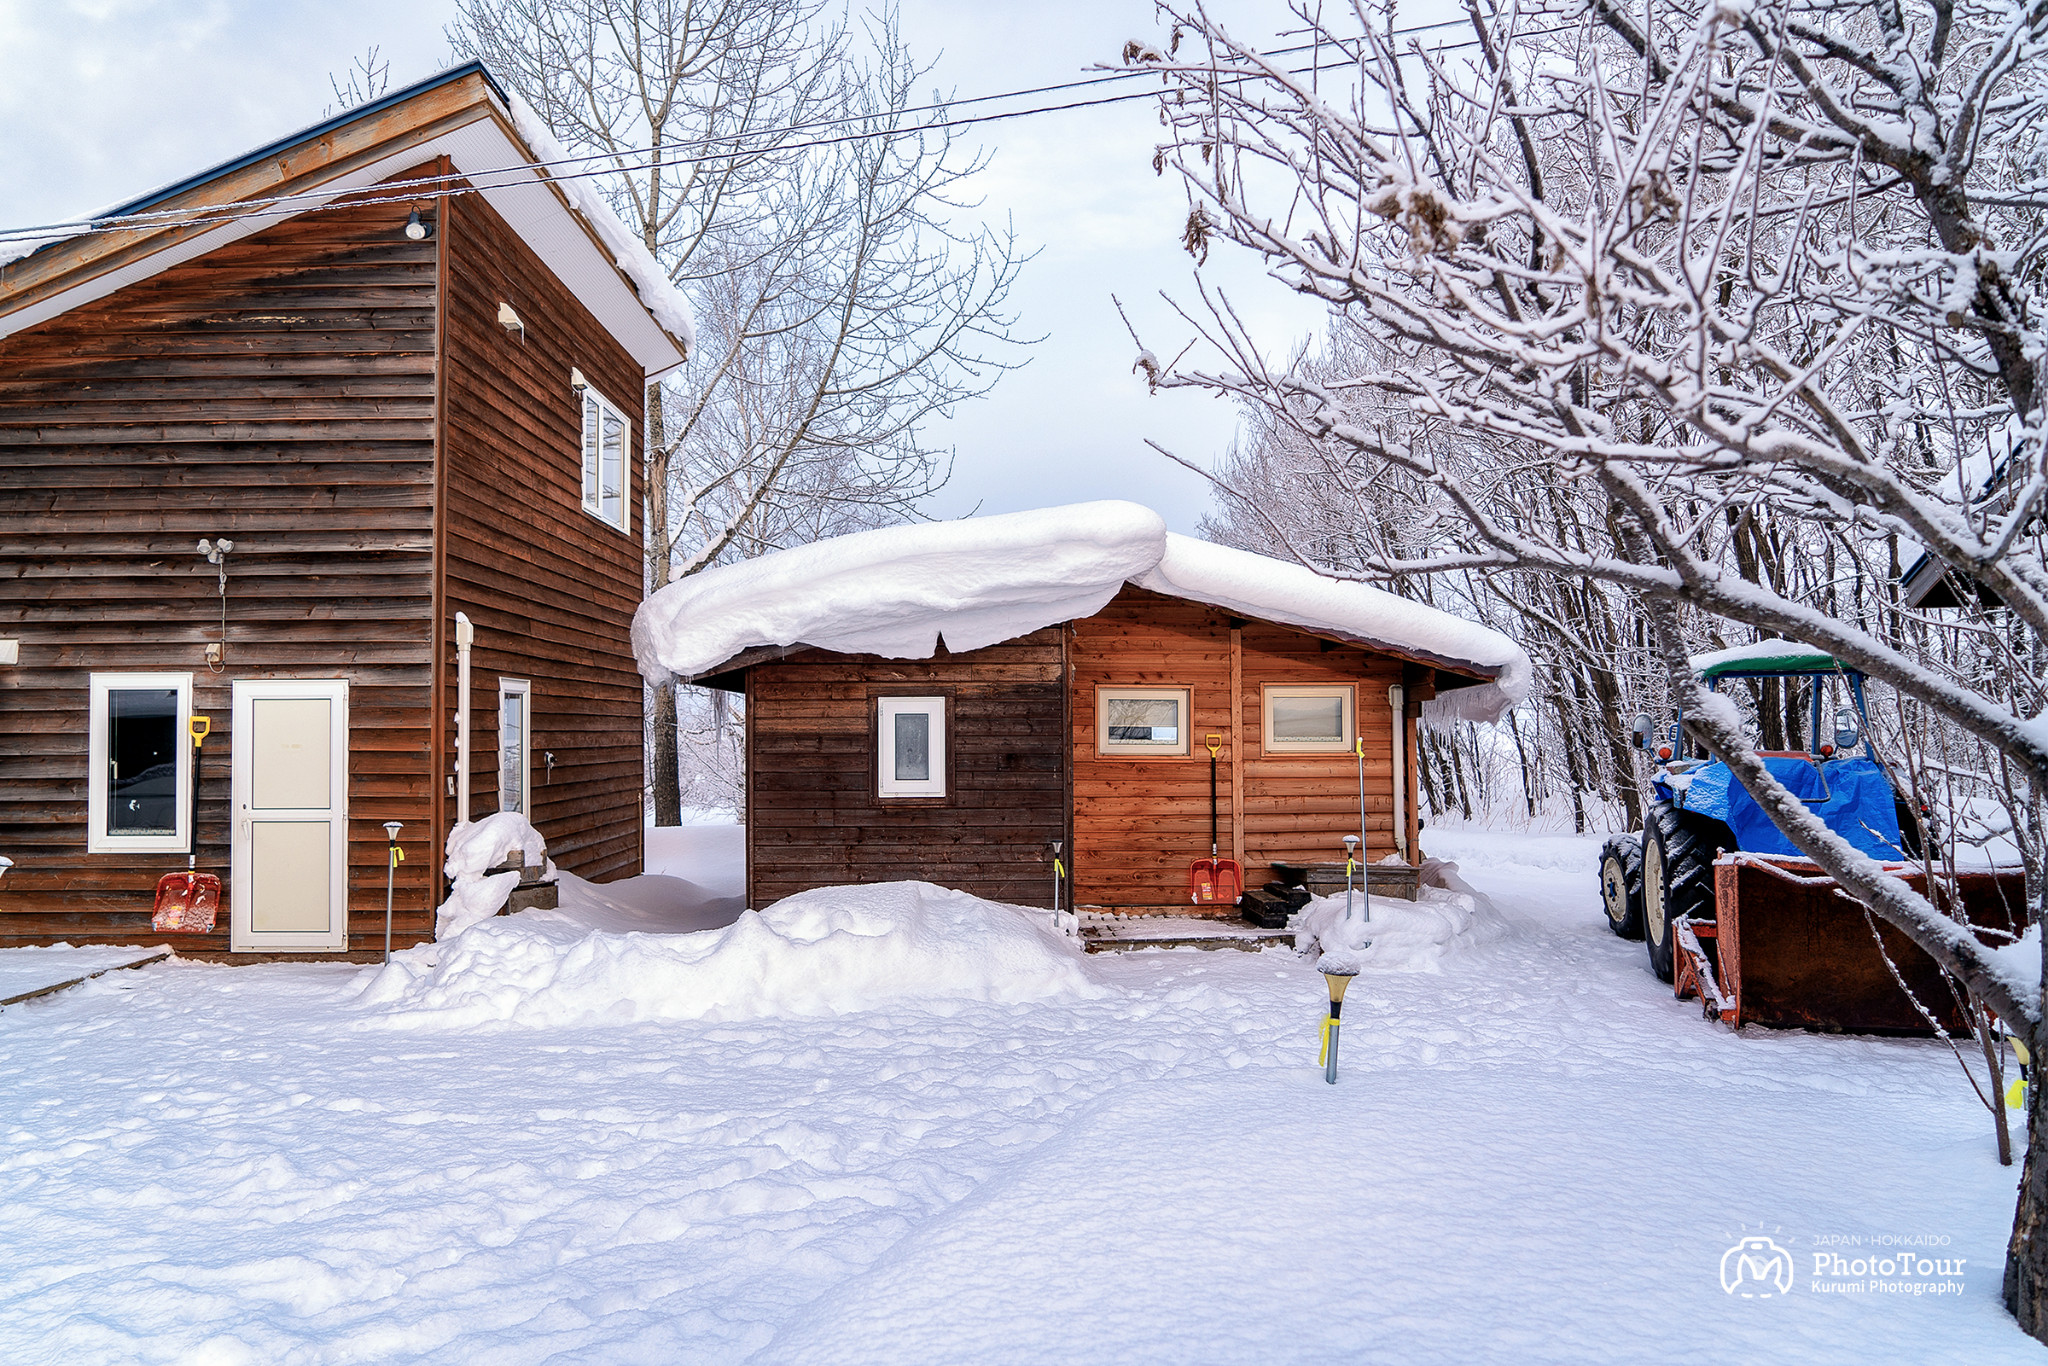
x=650, y=158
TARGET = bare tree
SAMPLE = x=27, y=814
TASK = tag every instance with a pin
x=1703, y=262
x=774, y=160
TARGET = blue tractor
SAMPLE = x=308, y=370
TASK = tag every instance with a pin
x=1653, y=880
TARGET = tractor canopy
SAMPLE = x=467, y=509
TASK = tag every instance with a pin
x=1853, y=796
x=1765, y=659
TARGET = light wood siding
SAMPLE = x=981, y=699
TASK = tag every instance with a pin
x=814, y=819
x=550, y=589
x=1139, y=822
x=279, y=391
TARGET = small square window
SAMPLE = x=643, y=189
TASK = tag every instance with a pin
x=1310, y=718
x=1141, y=721
x=139, y=756
x=607, y=446
x=910, y=746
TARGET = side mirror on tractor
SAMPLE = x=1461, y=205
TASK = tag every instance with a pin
x=1640, y=731
x=1846, y=735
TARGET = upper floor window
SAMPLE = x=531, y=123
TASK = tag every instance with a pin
x=139, y=792
x=607, y=446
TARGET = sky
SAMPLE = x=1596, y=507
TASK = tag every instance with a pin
x=109, y=98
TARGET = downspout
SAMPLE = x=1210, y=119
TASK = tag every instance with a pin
x=465, y=636
x=1397, y=704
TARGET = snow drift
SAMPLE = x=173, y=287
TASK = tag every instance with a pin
x=1402, y=936
x=897, y=591
x=827, y=952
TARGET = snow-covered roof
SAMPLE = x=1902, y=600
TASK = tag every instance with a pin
x=565, y=221
x=897, y=591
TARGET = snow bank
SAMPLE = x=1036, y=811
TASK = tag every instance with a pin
x=1402, y=936
x=474, y=847
x=658, y=294
x=895, y=592
x=827, y=952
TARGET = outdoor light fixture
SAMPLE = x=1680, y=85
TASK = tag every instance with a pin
x=509, y=320
x=576, y=380
x=417, y=230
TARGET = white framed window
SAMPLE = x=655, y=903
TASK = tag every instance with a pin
x=1142, y=721
x=910, y=746
x=139, y=758
x=607, y=450
x=515, y=724
x=1310, y=718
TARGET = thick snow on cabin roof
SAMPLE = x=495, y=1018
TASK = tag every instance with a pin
x=895, y=592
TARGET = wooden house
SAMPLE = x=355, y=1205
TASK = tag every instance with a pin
x=947, y=702
x=399, y=369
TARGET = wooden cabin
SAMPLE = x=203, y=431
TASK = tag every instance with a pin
x=1094, y=730
x=401, y=373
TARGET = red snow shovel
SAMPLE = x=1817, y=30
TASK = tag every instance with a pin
x=1212, y=880
x=187, y=902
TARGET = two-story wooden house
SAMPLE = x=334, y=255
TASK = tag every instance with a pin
x=398, y=368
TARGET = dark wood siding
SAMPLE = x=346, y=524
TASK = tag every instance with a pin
x=550, y=589
x=814, y=818
x=279, y=391
x=1140, y=821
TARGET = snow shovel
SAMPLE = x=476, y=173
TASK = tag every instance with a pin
x=187, y=902
x=1214, y=880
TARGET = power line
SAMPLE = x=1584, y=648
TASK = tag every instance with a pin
x=620, y=161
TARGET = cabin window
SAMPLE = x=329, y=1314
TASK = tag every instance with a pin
x=139, y=756
x=910, y=744
x=607, y=442
x=1310, y=718
x=1141, y=721
x=515, y=696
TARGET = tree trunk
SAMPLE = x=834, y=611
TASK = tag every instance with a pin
x=2026, y=1257
x=668, y=796
x=665, y=779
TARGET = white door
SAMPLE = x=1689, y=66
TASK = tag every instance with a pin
x=290, y=747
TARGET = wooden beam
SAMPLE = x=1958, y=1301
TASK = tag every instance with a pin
x=1237, y=741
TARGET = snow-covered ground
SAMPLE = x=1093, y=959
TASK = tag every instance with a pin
x=1532, y=1154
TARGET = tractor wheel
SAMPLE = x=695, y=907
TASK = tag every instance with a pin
x=1621, y=885
x=1678, y=876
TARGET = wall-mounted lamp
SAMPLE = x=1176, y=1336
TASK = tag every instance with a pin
x=416, y=229
x=576, y=380
x=216, y=553
x=509, y=320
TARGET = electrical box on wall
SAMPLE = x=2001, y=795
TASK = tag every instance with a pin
x=10, y=652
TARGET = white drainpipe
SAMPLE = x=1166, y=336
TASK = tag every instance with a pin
x=465, y=636
x=1397, y=698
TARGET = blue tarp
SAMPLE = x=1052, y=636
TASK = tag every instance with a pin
x=1851, y=795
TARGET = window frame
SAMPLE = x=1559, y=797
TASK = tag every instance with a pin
x=590, y=462
x=1269, y=691
x=521, y=688
x=97, y=839
x=939, y=786
x=1181, y=749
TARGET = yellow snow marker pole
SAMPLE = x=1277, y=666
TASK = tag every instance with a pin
x=391, y=829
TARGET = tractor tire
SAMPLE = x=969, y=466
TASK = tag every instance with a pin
x=1678, y=876
x=1621, y=885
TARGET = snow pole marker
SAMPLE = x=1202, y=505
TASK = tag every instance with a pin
x=1339, y=976
x=391, y=829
